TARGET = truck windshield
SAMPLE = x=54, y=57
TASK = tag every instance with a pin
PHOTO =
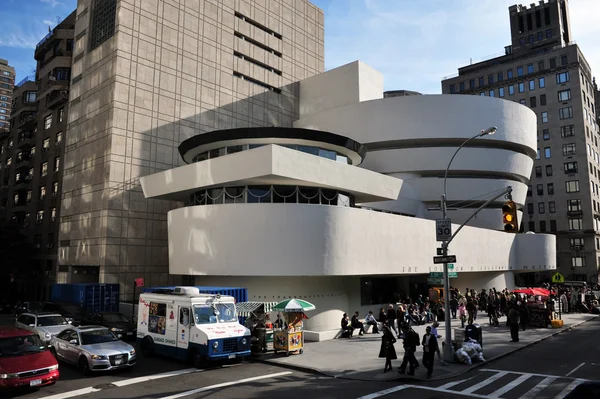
x=205, y=314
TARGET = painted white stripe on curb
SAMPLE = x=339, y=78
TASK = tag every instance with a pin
x=70, y=394
x=146, y=378
x=227, y=384
x=575, y=369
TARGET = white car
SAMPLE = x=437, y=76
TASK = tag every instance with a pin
x=46, y=325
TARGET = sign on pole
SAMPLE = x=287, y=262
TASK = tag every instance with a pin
x=139, y=282
x=443, y=229
x=444, y=259
x=441, y=274
x=433, y=280
x=450, y=266
x=558, y=278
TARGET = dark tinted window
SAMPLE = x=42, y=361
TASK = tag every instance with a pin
x=103, y=21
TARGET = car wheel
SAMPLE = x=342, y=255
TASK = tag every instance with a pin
x=84, y=365
x=147, y=347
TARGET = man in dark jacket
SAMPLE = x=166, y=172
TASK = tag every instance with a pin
x=430, y=348
x=410, y=341
x=355, y=323
x=513, y=322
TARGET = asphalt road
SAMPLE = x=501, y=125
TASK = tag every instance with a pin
x=548, y=369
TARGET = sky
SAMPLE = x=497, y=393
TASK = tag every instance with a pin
x=414, y=43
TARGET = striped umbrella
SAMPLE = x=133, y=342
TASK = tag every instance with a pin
x=294, y=305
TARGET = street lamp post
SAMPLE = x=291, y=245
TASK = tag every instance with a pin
x=448, y=349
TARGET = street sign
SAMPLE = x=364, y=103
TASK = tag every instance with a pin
x=450, y=266
x=443, y=229
x=433, y=281
x=444, y=259
x=558, y=278
x=441, y=274
x=139, y=282
x=440, y=251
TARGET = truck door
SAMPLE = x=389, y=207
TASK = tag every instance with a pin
x=183, y=328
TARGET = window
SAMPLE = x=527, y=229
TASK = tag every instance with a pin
x=157, y=317
x=523, y=101
x=530, y=209
x=48, y=122
x=511, y=90
x=574, y=205
x=540, y=189
x=532, y=85
x=551, y=207
x=461, y=87
x=546, y=134
x=562, y=77
x=481, y=82
x=538, y=171
x=529, y=191
x=550, y=188
x=572, y=186
x=472, y=84
x=541, y=208
x=103, y=23
x=570, y=167
x=567, y=131
x=39, y=218
x=520, y=71
x=569, y=149
x=521, y=87
x=29, y=96
x=545, y=117
x=56, y=164
x=552, y=63
x=45, y=169
x=492, y=93
x=501, y=92
x=577, y=243
x=577, y=261
x=542, y=226
x=538, y=156
x=61, y=115
x=491, y=79
x=548, y=170
x=531, y=226
x=565, y=113
x=564, y=60
x=55, y=189
x=500, y=77
x=29, y=196
x=530, y=68
x=532, y=102
x=52, y=215
x=553, y=225
x=547, y=152
x=58, y=138
x=542, y=83
x=542, y=99
x=564, y=95
x=42, y=192
x=62, y=73
x=576, y=224
x=46, y=144
x=540, y=66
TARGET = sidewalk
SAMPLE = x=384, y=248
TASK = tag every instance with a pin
x=357, y=358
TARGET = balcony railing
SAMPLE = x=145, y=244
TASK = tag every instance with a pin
x=56, y=98
x=30, y=78
x=26, y=120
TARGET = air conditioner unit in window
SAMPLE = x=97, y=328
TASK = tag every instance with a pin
x=64, y=92
x=52, y=78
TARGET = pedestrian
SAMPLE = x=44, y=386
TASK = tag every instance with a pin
x=453, y=306
x=347, y=330
x=387, y=348
x=355, y=323
x=462, y=314
x=513, y=322
x=370, y=321
x=382, y=317
x=471, y=310
x=523, y=316
x=410, y=342
x=430, y=348
x=435, y=333
x=391, y=318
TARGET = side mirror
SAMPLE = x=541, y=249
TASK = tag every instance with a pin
x=74, y=342
x=119, y=336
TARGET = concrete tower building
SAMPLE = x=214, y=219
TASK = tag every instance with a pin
x=547, y=72
x=146, y=76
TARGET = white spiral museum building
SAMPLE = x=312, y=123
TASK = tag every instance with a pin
x=296, y=212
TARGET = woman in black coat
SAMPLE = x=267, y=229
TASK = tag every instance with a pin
x=387, y=348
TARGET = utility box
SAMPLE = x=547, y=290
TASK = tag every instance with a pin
x=91, y=297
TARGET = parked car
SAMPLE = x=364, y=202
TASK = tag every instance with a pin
x=27, y=306
x=46, y=325
x=92, y=348
x=24, y=360
x=73, y=313
x=117, y=322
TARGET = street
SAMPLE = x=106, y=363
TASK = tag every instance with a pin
x=549, y=369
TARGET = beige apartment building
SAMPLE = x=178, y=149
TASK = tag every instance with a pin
x=147, y=75
x=546, y=71
x=7, y=82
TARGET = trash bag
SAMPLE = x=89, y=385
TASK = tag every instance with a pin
x=463, y=357
x=479, y=357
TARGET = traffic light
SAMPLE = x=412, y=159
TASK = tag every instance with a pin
x=509, y=217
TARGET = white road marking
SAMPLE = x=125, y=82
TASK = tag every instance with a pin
x=531, y=374
x=453, y=383
x=227, y=384
x=539, y=388
x=145, y=378
x=70, y=394
x=485, y=382
x=575, y=369
x=499, y=392
x=568, y=389
x=384, y=392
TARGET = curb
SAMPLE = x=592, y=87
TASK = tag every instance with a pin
x=314, y=370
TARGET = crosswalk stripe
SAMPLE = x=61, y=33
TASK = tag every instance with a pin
x=499, y=392
x=485, y=382
x=452, y=383
x=568, y=389
x=531, y=374
x=539, y=387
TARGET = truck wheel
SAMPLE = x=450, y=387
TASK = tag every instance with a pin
x=198, y=360
x=147, y=347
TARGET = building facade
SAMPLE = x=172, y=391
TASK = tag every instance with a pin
x=544, y=70
x=146, y=76
x=334, y=210
x=7, y=83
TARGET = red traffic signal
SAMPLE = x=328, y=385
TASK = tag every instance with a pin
x=509, y=217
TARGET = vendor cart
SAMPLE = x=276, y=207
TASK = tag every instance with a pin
x=291, y=338
x=255, y=316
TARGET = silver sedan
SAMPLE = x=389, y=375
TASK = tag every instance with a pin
x=92, y=348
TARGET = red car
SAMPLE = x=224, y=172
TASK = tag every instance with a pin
x=24, y=360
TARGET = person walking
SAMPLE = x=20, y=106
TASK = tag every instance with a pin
x=523, y=315
x=391, y=318
x=462, y=314
x=471, y=308
x=410, y=343
x=453, y=306
x=387, y=350
x=513, y=323
x=430, y=348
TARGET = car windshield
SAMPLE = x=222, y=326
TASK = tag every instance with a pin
x=206, y=314
x=16, y=346
x=115, y=318
x=97, y=337
x=45, y=321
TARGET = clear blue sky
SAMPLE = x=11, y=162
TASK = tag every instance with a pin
x=414, y=43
